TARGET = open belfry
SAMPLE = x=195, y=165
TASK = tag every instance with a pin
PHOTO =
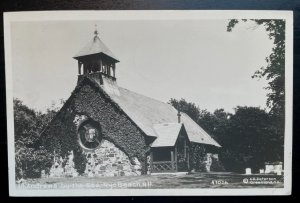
x=106, y=130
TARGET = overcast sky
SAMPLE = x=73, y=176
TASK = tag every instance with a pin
x=197, y=60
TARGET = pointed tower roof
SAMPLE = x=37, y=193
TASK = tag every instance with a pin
x=96, y=46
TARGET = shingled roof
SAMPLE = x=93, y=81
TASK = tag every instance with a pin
x=167, y=134
x=148, y=113
x=95, y=46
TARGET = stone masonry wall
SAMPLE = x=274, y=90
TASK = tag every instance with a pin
x=108, y=160
x=62, y=168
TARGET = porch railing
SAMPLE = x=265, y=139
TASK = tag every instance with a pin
x=163, y=166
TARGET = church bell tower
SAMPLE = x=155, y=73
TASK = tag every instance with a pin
x=97, y=62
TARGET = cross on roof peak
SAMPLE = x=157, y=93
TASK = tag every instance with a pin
x=96, y=31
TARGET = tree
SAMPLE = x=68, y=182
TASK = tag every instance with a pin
x=30, y=156
x=213, y=123
x=189, y=108
x=248, y=137
x=274, y=72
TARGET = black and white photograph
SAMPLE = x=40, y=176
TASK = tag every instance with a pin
x=105, y=103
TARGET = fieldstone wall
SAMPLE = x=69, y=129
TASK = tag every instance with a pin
x=208, y=161
x=62, y=168
x=108, y=160
x=148, y=164
x=212, y=163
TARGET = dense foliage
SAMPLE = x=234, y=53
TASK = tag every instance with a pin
x=248, y=137
x=30, y=156
x=61, y=137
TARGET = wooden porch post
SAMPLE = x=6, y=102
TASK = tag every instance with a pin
x=188, y=157
x=175, y=158
x=172, y=160
x=151, y=161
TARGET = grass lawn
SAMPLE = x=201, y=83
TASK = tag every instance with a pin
x=198, y=180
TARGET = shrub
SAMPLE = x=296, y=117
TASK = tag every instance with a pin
x=30, y=157
x=79, y=160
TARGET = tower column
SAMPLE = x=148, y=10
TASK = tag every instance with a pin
x=79, y=68
x=109, y=67
x=114, y=69
x=101, y=66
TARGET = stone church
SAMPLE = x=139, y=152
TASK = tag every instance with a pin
x=106, y=130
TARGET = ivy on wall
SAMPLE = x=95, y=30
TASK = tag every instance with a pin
x=197, y=156
x=90, y=100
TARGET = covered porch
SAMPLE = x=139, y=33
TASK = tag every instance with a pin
x=171, y=154
x=165, y=160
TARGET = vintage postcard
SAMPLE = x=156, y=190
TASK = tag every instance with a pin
x=132, y=103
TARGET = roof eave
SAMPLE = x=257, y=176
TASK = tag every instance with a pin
x=77, y=57
x=214, y=145
x=163, y=146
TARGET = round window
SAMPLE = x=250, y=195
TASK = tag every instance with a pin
x=89, y=135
